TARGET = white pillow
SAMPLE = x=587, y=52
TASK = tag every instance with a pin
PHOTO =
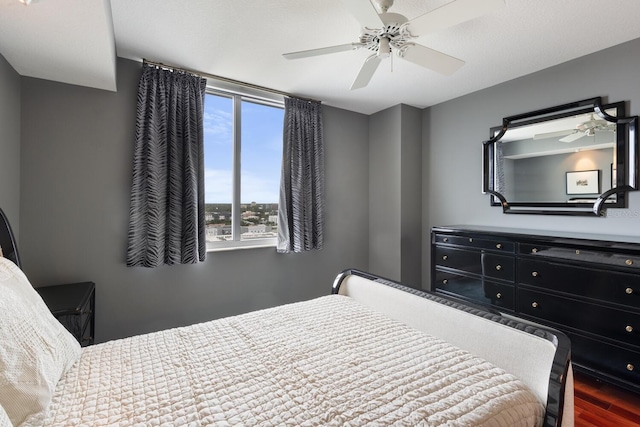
x=4, y=418
x=35, y=349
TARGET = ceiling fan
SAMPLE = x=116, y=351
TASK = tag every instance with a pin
x=384, y=33
x=586, y=128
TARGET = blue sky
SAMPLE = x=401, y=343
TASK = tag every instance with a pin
x=261, y=151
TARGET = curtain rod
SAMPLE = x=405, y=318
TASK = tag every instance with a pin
x=226, y=80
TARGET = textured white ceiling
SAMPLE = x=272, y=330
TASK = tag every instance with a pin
x=69, y=41
x=73, y=41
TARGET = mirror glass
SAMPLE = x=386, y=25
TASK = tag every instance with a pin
x=561, y=159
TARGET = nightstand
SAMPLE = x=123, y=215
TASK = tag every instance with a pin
x=73, y=305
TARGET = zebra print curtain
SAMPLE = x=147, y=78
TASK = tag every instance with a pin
x=301, y=206
x=166, y=215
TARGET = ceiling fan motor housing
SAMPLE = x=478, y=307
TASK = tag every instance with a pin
x=395, y=30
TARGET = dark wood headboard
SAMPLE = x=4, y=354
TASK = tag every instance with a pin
x=8, y=241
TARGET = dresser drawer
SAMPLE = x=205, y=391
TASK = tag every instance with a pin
x=581, y=255
x=605, y=358
x=614, y=287
x=498, y=266
x=476, y=289
x=472, y=242
x=619, y=325
x=476, y=262
x=459, y=259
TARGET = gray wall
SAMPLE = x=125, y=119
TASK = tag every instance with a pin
x=453, y=132
x=384, y=193
x=395, y=194
x=77, y=147
x=411, y=191
x=10, y=144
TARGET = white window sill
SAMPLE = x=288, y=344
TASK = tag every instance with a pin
x=243, y=244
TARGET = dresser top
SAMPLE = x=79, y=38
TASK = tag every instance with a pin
x=552, y=235
x=66, y=299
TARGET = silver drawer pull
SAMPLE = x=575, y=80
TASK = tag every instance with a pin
x=445, y=257
x=446, y=239
x=445, y=281
x=577, y=251
x=629, y=262
x=470, y=240
x=534, y=273
x=498, y=295
x=629, y=291
x=498, y=267
x=534, y=304
x=499, y=246
x=629, y=328
x=534, y=250
x=630, y=367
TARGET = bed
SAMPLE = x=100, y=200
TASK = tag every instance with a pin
x=372, y=352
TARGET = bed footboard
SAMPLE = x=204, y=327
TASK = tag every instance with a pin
x=539, y=356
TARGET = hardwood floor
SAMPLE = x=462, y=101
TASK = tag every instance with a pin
x=604, y=405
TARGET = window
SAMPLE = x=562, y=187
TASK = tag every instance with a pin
x=243, y=157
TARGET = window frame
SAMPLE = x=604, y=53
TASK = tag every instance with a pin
x=237, y=95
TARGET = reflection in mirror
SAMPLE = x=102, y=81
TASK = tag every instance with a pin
x=535, y=158
x=570, y=159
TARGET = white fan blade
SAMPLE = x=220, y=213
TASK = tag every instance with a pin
x=321, y=51
x=431, y=59
x=364, y=12
x=366, y=72
x=572, y=137
x=552, y=134
x=451, y=14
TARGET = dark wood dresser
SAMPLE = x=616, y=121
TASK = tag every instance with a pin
x=587, y=286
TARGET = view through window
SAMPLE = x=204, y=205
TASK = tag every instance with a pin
x=243, y=157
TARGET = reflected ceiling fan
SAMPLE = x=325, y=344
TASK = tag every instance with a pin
x=586, y=128
x=384, y=33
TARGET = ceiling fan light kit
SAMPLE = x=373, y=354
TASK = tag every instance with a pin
x=384, y=50
x=384, y=32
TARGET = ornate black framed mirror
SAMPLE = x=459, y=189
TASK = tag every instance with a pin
x=574, y=159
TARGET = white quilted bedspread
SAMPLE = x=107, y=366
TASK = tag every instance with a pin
x=325, y=362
